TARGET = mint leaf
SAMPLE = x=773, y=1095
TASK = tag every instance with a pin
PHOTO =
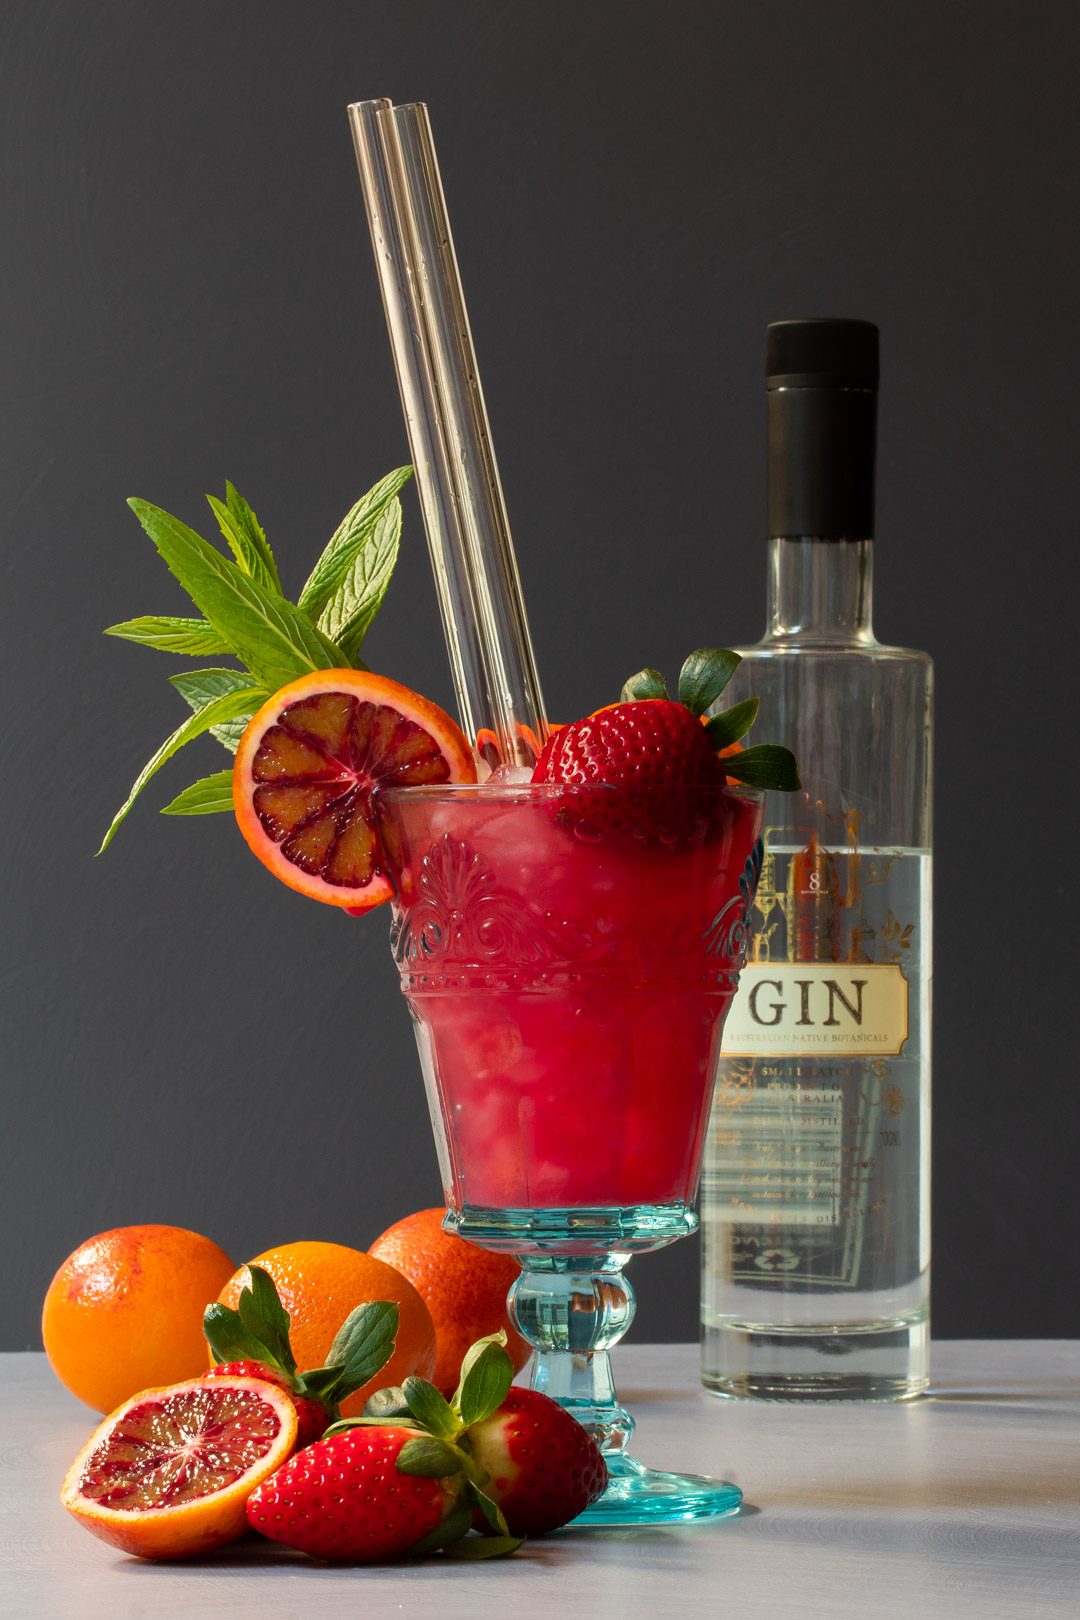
x=451, y=1530
x=485, y=1385
x=228, y=1338
x=767, y=766
x=430, y=1408
x=484, y=1547
x=358, y=596
x=363, y=1345
x=200, y=686
x=647, y=683
x=245, y=538
x=226, y=707
x=724, y=729
x=204, y=798
x=429, y=1457
x=704, y=675
x=196, y=637
x=265, y=1317
x=342, y=547
x=273, y=638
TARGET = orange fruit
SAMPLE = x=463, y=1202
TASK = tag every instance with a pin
x=168, y=1474
x=124, y=1312
x=306, y=767
x=319, y=1284
x=462, y=1286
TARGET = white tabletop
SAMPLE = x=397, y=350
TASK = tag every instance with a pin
x=966, y=1503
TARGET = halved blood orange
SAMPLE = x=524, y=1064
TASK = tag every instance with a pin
x=306, y=767
x=168, y=1473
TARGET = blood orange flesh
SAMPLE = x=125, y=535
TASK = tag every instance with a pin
x=306, y=769
x=168, y=1474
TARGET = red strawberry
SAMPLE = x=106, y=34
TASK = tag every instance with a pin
x=344, y=1498
x=312, y=1417
x=545, y=1468
x=648, y=753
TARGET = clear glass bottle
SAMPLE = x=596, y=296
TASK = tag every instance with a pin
x=815, y=1189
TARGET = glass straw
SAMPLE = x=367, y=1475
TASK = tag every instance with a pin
x=483, y=613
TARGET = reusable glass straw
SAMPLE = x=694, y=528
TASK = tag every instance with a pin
x=468, y=532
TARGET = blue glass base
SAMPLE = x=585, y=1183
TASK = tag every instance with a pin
x=576, y=1231
x=640, y=1495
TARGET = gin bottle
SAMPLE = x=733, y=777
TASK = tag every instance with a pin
x=815, y=1190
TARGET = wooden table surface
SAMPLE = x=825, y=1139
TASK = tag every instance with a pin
x=965, y=1503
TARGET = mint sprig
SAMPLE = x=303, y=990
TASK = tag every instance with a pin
x=243, y=613
x=704, y=675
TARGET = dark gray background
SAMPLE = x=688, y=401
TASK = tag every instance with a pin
x=636, y=189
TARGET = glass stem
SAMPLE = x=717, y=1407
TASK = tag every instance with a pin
x=572, y=1311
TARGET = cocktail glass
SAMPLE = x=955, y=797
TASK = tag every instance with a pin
x=568, y=955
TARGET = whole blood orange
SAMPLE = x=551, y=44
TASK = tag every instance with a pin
x=462, y=1286
x=124, y=1311
x=319, y=1284
x=169, y=1473
x=306, y=768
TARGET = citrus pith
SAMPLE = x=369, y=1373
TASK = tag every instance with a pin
x=168, y=1474
x=319, y=1284
x=307, y=766
x=124, y=1311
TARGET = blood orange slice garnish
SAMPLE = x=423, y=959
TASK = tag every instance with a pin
x=306, y=768
x=168, y=1473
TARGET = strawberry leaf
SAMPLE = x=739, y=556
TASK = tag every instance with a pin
x=724, y=729
x=245, y=538
x=226, y=707
x=273, y=638
x=491, y=1510
x=485, y=1385
x=340, y=1426
x=453, y=1527
x=485, y=1547
x=647, y=683
x=767, y=766
x=205, y=797
x=471, y=1357
x=386, y=1403
x=196, y=637
x=429, y=1408
x=358, y=597
x=363, y=1345
x=430, y=1457
x=228, y=1338
x=344, y=544
x=704, y=675
x=265, y=1317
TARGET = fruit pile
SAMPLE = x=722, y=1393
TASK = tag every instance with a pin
x=316, y=1423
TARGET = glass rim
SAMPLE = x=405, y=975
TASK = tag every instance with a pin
x=548, y=792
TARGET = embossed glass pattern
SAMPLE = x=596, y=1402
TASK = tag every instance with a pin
x=568, y=956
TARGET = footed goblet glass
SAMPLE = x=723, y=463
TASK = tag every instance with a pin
x=568, y=955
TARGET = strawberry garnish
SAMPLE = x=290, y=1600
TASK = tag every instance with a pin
x=649, y=743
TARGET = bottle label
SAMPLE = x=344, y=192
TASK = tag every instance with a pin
x=794, y=1009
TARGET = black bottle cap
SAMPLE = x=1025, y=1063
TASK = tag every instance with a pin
x=822, y=378
x=822, y=353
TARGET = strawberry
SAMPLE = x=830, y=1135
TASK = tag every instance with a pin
x=345, y=1498
x=544, y=1467
x=649, y=749
x=312, y=1416
x=253, y=1342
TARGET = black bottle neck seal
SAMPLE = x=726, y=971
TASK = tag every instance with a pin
x=821, y=381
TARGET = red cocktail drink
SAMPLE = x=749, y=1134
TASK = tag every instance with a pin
x=569, y=955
